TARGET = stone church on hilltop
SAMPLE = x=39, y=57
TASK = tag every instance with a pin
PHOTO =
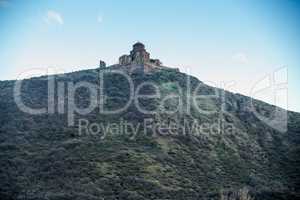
x=138, y=56
x=138, y=60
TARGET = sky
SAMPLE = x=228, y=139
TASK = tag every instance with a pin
x=250, y=47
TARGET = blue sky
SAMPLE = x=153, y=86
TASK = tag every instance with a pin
x=217, y=41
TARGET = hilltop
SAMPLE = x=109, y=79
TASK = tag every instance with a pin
x=49, y=156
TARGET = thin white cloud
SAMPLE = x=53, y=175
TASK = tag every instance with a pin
x=240, y=58
x=54, y=17
x=4, y=3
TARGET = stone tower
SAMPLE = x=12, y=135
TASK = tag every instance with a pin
x=102, y=64
x=139, y=55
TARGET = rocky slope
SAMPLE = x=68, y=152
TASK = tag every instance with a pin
x=43, y=157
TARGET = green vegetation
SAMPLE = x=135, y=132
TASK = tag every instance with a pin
x=41, y=157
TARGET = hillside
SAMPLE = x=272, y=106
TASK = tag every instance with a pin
x=44, y=157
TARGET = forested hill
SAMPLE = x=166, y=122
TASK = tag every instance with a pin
x=44, y=156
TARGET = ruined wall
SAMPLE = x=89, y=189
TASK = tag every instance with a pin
x=125, y=60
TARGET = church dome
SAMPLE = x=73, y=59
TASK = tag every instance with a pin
x=138, y=46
